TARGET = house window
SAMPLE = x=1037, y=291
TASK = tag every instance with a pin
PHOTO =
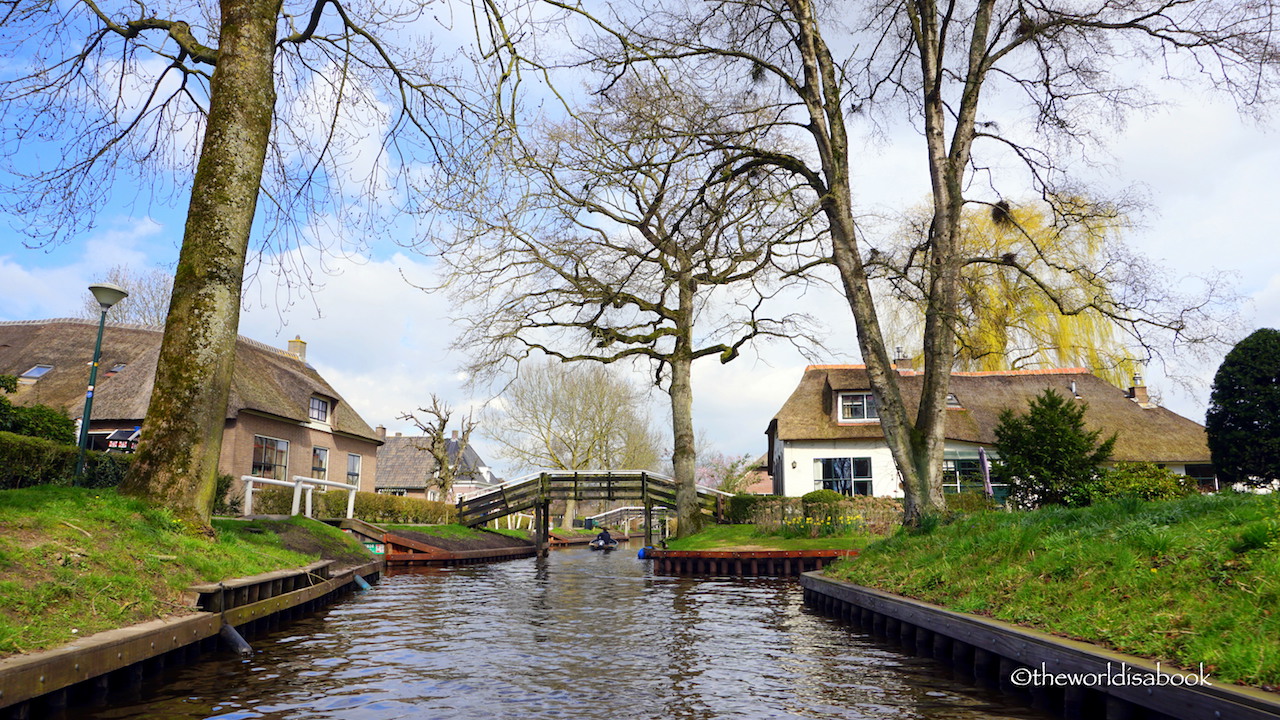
x=35, y=373
x=847, y=476
x=390, y=491
x=320, y=463
x=319, y=410
x=353, y=469
x=270, y=458
x=856, y=406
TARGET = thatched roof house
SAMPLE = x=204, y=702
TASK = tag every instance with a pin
x=406, y=467
x=829, y=416
x=282, y=416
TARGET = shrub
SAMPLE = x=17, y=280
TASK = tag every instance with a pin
x=45, y=422
x=742, y=506
x=1047, y=456
x=370, y=507
x=822, y=497
x=1143, y=480
x=228, y=498
x=27, y=461
x=793, y=516
x=969, y=501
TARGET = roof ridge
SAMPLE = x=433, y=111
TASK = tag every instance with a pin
x=969, y=373
x=147, y=328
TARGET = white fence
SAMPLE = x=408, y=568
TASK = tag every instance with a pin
x=299, y=484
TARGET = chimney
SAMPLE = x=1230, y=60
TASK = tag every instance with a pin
x=1138, y=393
x=381, y=430
x=298, y=347
x=900, y=360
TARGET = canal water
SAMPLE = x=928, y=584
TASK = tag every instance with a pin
x=579, y=634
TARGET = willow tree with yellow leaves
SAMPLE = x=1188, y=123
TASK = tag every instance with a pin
x=1037, y=289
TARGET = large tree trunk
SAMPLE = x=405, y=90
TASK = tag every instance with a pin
x=684, y=459
x=177, y=462
x=916, y=447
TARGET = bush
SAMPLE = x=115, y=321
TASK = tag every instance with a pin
x=742, y=507
x=1143, y=480
x=228, y=498
x=794, y=516
x=370, y=507
x=1047, y=456
x=969, y=501
x=27, y=461
x=45, y=422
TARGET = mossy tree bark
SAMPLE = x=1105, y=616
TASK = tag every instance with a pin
x=177, y=462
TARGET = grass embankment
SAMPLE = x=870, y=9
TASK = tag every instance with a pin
x=1188, y=581
x=458, y=532
x=746, y=537
x=75, y=561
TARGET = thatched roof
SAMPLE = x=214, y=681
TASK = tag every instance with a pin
x=405, y=463
x=1143, y=432
x=266, y=380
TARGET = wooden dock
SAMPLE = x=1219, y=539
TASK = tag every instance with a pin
x=743, y=563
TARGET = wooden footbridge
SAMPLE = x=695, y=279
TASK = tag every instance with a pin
x=536, y=491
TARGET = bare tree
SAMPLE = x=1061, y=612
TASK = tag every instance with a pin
x=573, y=416
x=448, y=452
x=334, y=98
x=148, y=301
x=948, y=68
x=620, y=238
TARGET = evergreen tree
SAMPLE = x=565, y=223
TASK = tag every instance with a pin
x=1047, y=455
x=1243, y=422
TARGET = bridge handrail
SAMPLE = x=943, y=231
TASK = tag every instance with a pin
x=529, y=477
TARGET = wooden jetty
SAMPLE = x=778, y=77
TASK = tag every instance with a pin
x=742, y=563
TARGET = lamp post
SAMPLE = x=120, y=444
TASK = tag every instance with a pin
x=107, y=295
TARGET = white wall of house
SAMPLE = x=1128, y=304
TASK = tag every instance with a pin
x=801, y=470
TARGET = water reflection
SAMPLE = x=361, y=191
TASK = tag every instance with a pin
x=577, y=635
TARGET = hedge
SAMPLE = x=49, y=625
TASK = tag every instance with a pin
x=370, y=507
x=27, y=461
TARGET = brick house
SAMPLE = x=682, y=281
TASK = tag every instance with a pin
x=828, y=434
x=283, y=418
x=406, y=467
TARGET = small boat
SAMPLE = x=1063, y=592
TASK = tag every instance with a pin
x=599, y=544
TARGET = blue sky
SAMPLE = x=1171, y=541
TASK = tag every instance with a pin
x=1211, y=179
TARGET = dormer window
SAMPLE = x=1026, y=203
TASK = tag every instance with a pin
x=857, y=406
x=953, y=402
x=319, y=409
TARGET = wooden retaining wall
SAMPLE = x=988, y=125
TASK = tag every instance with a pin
x=407, y=552
x=46, y=683
x=742, y=563
x=1075, y=679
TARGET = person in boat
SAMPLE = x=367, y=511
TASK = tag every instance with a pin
x=604, y=538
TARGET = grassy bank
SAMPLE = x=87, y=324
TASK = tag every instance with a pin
x=1189, y=581
x=76, y=561
x=458, y=532
x=746, y=537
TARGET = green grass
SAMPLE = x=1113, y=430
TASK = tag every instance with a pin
x=458, y=532
x=75, y=561
x=723, y=537
x=1187, y=581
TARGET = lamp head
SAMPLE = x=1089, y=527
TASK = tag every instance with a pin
x=107, y=294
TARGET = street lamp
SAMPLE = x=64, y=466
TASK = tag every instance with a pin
x=107, y=295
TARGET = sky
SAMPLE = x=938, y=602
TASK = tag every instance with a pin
x=1211, y=180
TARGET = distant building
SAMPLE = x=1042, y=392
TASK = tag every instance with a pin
x=282, y=419
x=828, y=433
x=406, y=467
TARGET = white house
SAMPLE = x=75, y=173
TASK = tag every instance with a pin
x=828, y=434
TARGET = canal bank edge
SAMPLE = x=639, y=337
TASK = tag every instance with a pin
x=24, y=678
x=960, y=638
